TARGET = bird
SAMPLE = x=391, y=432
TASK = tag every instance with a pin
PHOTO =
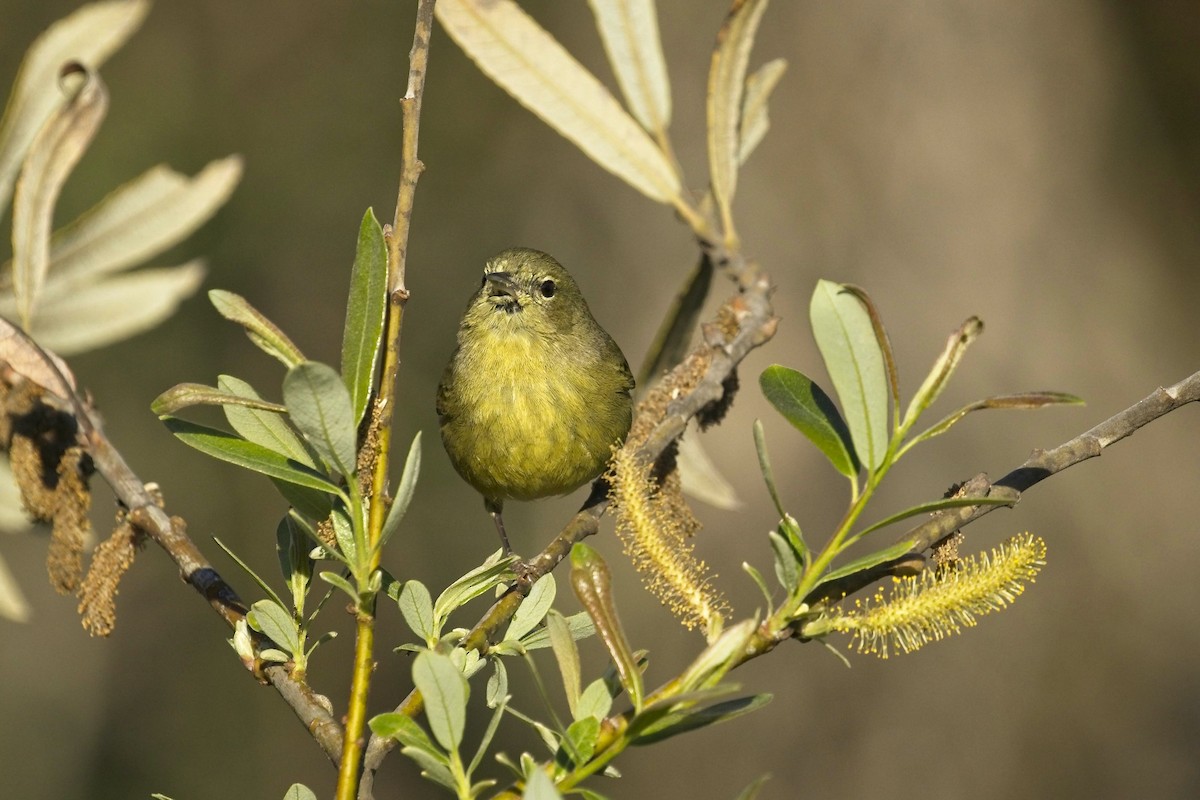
x=536, y=393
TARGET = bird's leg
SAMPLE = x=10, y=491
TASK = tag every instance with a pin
x=496, y=509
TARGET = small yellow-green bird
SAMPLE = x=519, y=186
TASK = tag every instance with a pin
x=536, y=394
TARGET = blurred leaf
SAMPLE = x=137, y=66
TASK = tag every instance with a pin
x=13, y=518
x=320, y=406
x=339, y=582
x=787, y=566
x=529, y=64
x=538, y=786
x=755, y=122
x=115, y=308
x=403, y=729
x=1019, y=400
x=312, y=503
x=432, y=767
x=138, y=221
x=298, y=791
x=235, y=450
x=404, y=491
x=580, y=625
x=629, y=29
x=497, y=685
x=533, y=608
x=445, y=691
x=184, y=395
x=269, y=429
x=932, y=507
x=567, y=656
x=764, y=460
x=275, y=622
x=13, y=605
x=33, y=362
x=755, y=786
x=684, y=721
x=671, y=342
x=264, y=333
x=812, y=412
x=701, y=478
x=711, y=665
x=594, y=701
x=580, y=739
x=726, y=83
x=846, y=338
x=89, y=35
x=416, y=606
x=482, y=579
x=943, y=368
x=54, y=152
x=593, y=586
x=365, y=310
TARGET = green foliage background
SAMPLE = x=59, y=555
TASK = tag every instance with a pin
x=1035, y=164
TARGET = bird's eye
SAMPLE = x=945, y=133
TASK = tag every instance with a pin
x=547, y=288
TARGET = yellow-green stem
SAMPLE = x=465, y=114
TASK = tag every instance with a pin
x=356, y=712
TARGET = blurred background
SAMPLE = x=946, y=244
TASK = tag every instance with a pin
x=1035, y=164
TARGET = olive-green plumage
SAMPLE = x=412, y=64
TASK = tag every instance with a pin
x=536, y=393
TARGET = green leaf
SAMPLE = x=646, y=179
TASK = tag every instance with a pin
x=292, y=548
x=1020, y=400
x=404, y=492
x=867, y=562
x=343, y=532
x=881, y=339
x=846, y=338
x=943, y=368
x=183, y=395
x=751, y=791
x=365, y=311
x=275, y=622
x=497, y=684
x=405, y=730
x=809, y=409
x=264, y=333
x=760, y=446
x=580, y=625
x=235, y=450
x=298, y=791
x=320, y=406
x=312, y=503
x=761, y=582
x=416, y=606
x=339, y=582
x=53, y=154
x=932, y=507
x=445, y=691
x=254, y=576
x=482, y=579
x=629, y=30
x=787, y=566
x=580, y=739
x=538, y=786
x=260, y=426
x=567, y=656
x=726, y=85
x=718, y=658
x=682, y=722
x=533, y=608
x=528, y=63
x=594, y=701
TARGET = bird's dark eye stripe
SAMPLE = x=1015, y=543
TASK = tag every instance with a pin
x=547, y=288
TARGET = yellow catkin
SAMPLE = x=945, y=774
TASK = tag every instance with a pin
x=937, y=603
x=657, y=544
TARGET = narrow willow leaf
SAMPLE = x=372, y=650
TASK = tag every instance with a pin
x=405, y=730
x=682, y=722
x=254, y=576
x=52, y=155
x=365, y=310
x=755, y=121
x=629, y=30
x=260, y=426
x=764, y=460
x=404, y=492
x=485, y=742
x=138, y=221
x=934, y=506
x=580, y=625
x=943, y=368
x=726, y=83
x=482, y=579
x=671, y=342
x=275, y=622
x=432, y=767
x=114, y=308
x=33, y=362
x=700, y=477
x=89, y=35
x=867, y=562
x=264, y=333
x=185, y=395
x=718, y=658
x=751, y=791
x=1019, y=400
x=339, y=582
x=813, y=413
x=298, y=791
x=594, y=701
x=567, y=656
x=846, y=338
x=320, y=406
x=593, y=586
x=882, y=339
x=787, y=566
x=416, y=606
x=529, y=64
x=236, y=450
x=445, y=691
x=533, y=608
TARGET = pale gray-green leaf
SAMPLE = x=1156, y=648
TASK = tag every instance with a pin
x=567, y=656
x=787, y=566
x=533, y=608
x=89, y=35
x=363, y=332
x=846, y=338
x=319, y=405
x=529, y=64
x=54, y=152
x=271, y=430
x=416, y=606
x=275, y=622
x=755, y=122
x=404, y=491
x=482, y=579
x=115, y=308
x=580, y=625
x=445, y=691
x=538, y=786
x=264, y=333
x=185, y=395
x=629, y=30
x=298, y=791
x=701, y=478
x=594, y=701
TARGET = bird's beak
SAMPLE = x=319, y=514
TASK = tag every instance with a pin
x=501, y=284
